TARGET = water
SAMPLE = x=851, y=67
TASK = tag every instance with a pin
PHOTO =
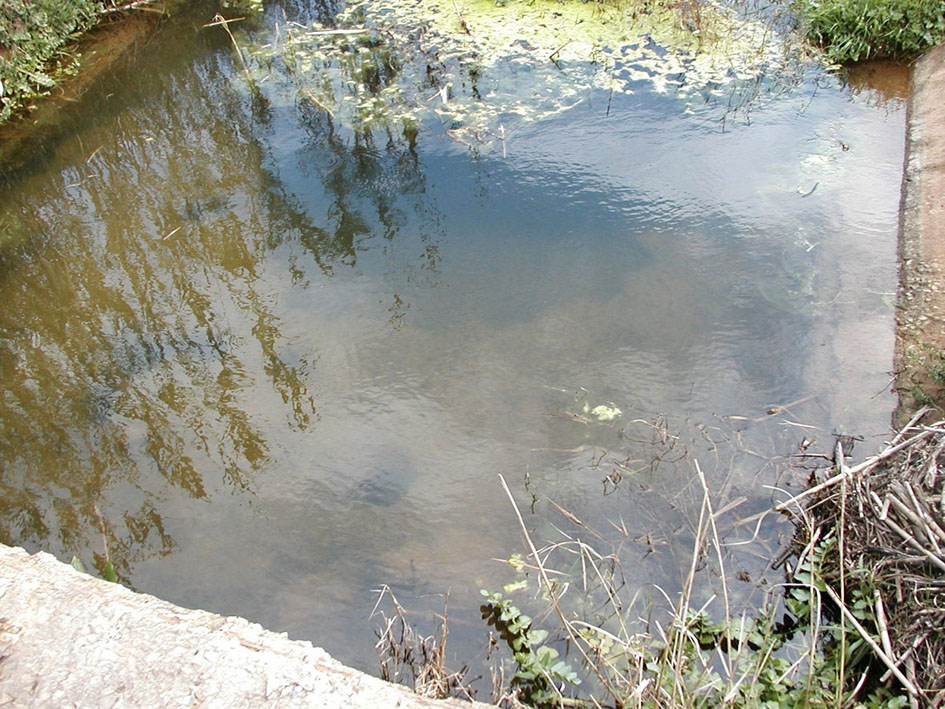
x=276, y=364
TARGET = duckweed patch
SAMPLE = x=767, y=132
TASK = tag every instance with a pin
x=479, y=67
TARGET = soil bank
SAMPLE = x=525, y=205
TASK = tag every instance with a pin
x=96, y=50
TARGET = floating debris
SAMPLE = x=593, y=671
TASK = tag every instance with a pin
x=603, y=412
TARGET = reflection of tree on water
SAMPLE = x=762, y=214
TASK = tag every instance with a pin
x=303, y=11
x=359, y=170
x=142, y=342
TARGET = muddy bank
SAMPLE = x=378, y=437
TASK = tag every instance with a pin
x=67, y=638
x=920, y=367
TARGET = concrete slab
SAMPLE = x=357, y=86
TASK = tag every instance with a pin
x=70, y=640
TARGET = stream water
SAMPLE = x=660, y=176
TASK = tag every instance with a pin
x=272, y=363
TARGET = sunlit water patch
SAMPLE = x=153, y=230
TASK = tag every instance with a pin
x=276, y=362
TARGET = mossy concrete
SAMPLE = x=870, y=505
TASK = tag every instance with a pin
x=68, y=639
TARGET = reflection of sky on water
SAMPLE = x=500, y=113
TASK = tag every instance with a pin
x=287, y=363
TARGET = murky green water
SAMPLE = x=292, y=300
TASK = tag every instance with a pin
x=283, y=362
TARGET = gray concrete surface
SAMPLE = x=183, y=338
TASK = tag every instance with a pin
x=921, y=303
x=70, y=640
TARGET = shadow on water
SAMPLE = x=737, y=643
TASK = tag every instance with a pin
x=883, y=82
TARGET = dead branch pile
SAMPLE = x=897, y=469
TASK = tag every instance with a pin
x=889, y=515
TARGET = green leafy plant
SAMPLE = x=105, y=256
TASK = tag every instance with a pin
x=855, y=30
x=32, y=36
x=540, y=675
x=937, y=367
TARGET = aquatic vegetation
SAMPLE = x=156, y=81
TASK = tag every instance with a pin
x=247, y=6
x=479, y=67
x=827, y=636
x=603, y=412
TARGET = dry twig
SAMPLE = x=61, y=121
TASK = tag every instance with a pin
x=894, y=533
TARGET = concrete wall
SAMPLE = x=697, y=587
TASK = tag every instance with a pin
x=920, y=311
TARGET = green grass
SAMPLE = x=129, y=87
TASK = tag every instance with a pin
x=856, y=30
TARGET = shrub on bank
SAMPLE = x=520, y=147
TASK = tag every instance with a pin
x=856, y=30
x=35, y=36
x=32, y=36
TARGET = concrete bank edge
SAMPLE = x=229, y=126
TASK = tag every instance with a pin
x=69, y=639
x=921, y=303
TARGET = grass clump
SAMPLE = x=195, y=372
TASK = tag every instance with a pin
x=856, y=620
x=856, y=30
